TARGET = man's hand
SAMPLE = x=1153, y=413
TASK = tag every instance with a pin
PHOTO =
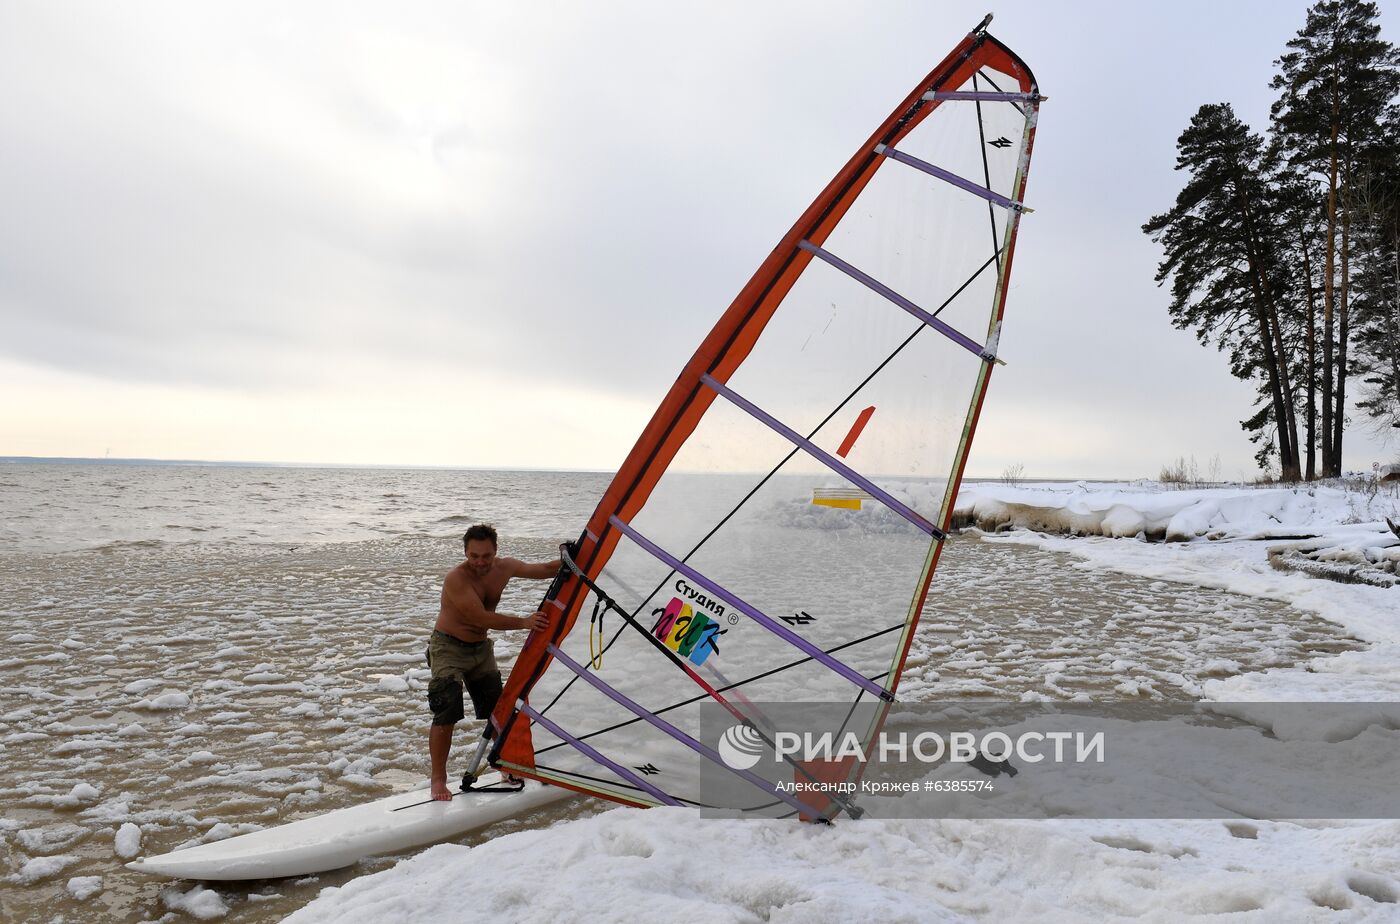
x=535, y=621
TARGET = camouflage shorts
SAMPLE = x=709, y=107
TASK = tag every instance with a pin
x=457, y=665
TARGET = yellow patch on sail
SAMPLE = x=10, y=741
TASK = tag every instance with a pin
x=843, y=498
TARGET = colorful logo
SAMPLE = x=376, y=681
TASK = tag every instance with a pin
x=685, y=631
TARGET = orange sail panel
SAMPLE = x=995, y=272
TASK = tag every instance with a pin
x=718, y=581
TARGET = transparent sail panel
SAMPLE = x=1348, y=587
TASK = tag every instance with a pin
x=782, y=554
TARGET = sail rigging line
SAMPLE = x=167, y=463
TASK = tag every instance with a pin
x=849, y=178
x=824, y=457
x=840, y=801
x=595, y=755
x=986, y=167
x=672, y=731
x=995, y=257
x=614, y=784
x=758, y=616
x=736, y=684
x=1034, y=99
x=606, y=599
x=948, y=176
x=560, y=772
x=815, y=430
x=603, y=597
x=967, y=343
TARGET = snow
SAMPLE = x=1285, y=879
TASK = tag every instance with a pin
x=84, y=887
x=42, y=868
x=127, y=842
x=80, y=794
x=679, y=866
x=199, y=902
x=164, y=702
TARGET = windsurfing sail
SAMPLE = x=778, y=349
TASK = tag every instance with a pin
x=854, y=363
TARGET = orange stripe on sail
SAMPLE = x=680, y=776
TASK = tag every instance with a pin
x=856, y=428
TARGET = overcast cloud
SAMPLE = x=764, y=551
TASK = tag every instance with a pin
x=345, y=233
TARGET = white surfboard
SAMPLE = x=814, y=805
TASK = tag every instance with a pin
x=339, y=838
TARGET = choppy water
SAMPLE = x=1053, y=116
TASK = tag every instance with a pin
x=66, y=507
x=196, y=650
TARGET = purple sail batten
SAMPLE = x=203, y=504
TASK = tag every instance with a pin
x=948, y=177
x=879, y=287
x=666, y=727
x=986, y=96
x=596, y=756
x=824, y=457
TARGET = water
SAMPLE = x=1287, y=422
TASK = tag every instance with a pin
x=212, y=648
x=60, y=508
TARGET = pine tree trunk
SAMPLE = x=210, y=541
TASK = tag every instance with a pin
x=1339, y=416
x=1311, y=472
x=1393, y=328
x=1328, y=296
x=1276, y=357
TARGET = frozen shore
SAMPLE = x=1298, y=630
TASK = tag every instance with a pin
x=675, y=864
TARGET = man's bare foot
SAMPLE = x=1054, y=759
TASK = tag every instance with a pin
x=440, y=791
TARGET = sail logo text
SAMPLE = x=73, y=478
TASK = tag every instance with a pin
x=931, y=747
x=684, y=630
x=699, y=599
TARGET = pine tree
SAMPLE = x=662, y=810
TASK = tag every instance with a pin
x=1337, y=80
x=1224, y=249
x=1378, y=291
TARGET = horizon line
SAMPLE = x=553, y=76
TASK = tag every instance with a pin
x=244, y=463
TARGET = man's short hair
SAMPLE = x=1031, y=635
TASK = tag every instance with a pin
x=480, y=531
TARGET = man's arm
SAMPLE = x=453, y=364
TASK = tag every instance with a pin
x=543, y=571
x=470, y=610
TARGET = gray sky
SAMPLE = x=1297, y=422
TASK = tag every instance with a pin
x=449, y=233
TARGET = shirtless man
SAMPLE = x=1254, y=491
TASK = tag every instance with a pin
x=459, y=652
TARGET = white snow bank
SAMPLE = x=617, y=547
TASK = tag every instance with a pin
x=1145, y=509
x=670, y=864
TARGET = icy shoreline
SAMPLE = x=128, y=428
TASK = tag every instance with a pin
x=1222, y=538
x=611, y=865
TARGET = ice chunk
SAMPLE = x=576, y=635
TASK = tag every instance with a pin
x=127, y=843
x=81, y=794
x=41, y=868
x=51, y=839
x=164, y=702
x=199, y=902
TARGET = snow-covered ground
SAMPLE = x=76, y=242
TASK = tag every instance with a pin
x=669, y=864
x=1222, y=538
